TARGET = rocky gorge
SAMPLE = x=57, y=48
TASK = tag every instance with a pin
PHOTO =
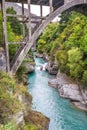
x=68, y=89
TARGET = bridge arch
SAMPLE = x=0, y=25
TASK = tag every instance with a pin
x=72, y=4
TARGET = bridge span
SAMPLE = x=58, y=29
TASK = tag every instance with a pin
x=56, y=7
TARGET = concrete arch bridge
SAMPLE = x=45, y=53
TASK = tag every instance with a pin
x=56, y=7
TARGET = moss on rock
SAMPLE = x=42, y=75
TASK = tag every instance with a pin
x=15, y=102
x=36, y=119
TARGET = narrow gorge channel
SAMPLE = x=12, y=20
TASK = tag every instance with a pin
x=63, y=116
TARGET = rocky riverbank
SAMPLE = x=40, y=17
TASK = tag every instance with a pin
x=66, y=87
x=51, y=66
x=70, y=90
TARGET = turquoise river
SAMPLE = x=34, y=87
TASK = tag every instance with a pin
x=63, y=116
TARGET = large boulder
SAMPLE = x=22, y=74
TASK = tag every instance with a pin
x=46, y=57
x=39, y=55
x=52, y=68
x=68, y=89
x=30, y=67
x=53, y=83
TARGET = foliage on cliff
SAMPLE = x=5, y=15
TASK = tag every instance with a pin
x=10, y=105
x=36, y=121
x=9, y=101
x=69, y=45
x=46, y=39
x=13, y=36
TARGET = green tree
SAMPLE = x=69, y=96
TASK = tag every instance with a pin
x=84, y=78
x=74, y=59
x=68, y=44
x=45, y=40
x=62, y=58
x=15, y=25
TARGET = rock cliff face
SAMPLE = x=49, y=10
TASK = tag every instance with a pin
x=2, y=60
x=30, y=117
x=29, y=66
x=36, y=118
x=70, y=90
x=52, y=68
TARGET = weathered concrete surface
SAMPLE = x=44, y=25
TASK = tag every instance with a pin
x=70, y=90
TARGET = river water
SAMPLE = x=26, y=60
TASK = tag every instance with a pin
x=63, y=116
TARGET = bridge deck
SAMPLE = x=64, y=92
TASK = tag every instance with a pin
x=39, y=2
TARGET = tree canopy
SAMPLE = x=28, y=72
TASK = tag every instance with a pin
x=67, y=41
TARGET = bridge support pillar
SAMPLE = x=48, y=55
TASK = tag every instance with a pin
x=29, y=18
x=23, y=19
x=51, y=5
x=5, y=36
x=41, y=10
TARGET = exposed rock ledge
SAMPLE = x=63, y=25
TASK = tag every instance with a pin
x=30, y=67
x=37, y=119
x=69, y=90
x=52, y=68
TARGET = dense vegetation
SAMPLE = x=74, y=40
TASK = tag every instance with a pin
x=9, y=101
x=10, y=106
x=67, y=42
x=12, y=35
